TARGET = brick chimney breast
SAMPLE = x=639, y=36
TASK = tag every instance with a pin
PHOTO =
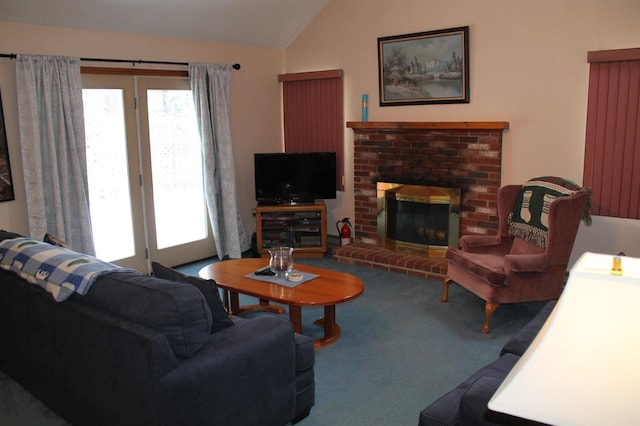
x=464, y=155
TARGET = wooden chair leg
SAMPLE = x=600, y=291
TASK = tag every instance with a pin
x=445, y=297
x=489, y=309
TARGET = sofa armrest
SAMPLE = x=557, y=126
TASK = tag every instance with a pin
x=526, y=262
x=110, y=363
x=519, y=343
x=244, y=375
x=474, y=408
x=305, y=376
x=473, y=405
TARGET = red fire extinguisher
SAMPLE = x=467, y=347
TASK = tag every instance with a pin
x=345, y=231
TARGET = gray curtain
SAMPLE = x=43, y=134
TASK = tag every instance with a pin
x=210, y=87
x=53, y=149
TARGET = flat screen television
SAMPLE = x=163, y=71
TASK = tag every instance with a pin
x=294, y=177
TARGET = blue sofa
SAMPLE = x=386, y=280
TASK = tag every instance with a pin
x=466, y=405
x=140, y=350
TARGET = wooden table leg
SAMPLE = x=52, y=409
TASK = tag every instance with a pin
x=263, y=306
x=227, y=303
x=295, y=316
x=331, y=328
x=235, y=302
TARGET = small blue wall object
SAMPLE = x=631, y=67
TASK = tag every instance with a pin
x=365, y=107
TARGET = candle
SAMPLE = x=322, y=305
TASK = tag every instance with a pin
x=365, y=107
x=616, y=269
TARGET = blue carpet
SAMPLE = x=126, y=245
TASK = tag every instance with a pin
x=400, y=350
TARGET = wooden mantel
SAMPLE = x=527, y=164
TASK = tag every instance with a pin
x=429, y=125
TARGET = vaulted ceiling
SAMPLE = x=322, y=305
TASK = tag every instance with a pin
x=266, y=23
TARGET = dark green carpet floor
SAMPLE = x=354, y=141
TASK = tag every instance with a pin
x=400, y=350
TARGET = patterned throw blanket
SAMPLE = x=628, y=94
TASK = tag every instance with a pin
x=58, y=270
x=529, y=218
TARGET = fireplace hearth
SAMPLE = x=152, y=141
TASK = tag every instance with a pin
x=462, y=155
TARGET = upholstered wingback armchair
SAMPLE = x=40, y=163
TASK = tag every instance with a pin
x=509, y=268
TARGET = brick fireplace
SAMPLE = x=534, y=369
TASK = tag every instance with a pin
x=462, y=155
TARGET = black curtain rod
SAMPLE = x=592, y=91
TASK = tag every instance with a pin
x=128, y=61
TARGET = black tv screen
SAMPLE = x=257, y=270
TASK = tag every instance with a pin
x=294, y=177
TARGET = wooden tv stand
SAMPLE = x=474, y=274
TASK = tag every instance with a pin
x=301, y=226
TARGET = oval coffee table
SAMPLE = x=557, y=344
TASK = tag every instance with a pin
x=328, y=289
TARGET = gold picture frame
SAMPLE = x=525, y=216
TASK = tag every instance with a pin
x=424, y=68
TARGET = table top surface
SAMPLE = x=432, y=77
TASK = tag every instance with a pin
x=329, y=288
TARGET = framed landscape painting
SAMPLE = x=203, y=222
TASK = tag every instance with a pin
x=6, y=184
x=424, y=68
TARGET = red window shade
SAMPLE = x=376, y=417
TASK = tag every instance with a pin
x=612, y=146
x=313, y=114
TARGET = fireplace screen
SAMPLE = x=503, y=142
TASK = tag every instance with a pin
x=418, y=219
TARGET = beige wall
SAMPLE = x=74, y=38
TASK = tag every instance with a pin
x=255, y=93
x=528, y=66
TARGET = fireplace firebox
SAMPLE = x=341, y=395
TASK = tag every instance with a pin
x=418, y=219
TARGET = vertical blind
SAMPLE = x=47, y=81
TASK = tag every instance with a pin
x=612, y=146
x=313, y=114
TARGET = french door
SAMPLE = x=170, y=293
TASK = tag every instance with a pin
x=145, y=171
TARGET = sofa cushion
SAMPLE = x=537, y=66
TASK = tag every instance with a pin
x=7, y=235
x=208, y=288
x=489, y=267
x=177, y=310
x=445, y=410
x=519, y=343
